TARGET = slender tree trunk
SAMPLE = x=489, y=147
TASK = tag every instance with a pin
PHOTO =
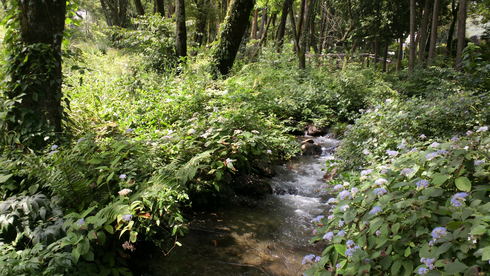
x=263, y=22
x=461, y=32
x=433, y=34
x=385, y=56
x=293, y=29
x=452, y=27
x=411, y=63
x=170, y=10
x=301, y=17
x=160, y=7
x=35, y=72
x=423, y=31
x=255, y=23
x=139, y=7
x=224, y=8
x=303, y=45
x=180, y=30
x=312, y=41
x=281, y=30
x=201, y=21
x=231, y=35
x=323, y=28
x=400, y=55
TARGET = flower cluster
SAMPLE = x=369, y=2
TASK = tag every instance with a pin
x=422, y=184
x=458, y=199
x=310, y=258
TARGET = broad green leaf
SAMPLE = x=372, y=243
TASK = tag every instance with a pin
x=463, y=184
x=478, y=230
x=439, y=179
x=4, y=178
x=456, y=267
x=340, y=248
x=486, y=253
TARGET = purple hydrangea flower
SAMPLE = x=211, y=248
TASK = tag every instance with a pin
x=366, y=172
x=317, y=259
x=407, y=171
x=344, y=208
x=354, y=191
x=338, y=187
x=341, y=223
x=422, y=271
x=328, y=236
x=378, y=233
x=380, y=191
x=344, y=194
x=350, y=244
x=317, y=219
x=442, y=152
x=434, y=145
x=375, y=210
x=332, y=201
x=341, y=233
x=439, y=232
x=392, y=153
x=421, y=184
x=482, y=129
x=479, y=162
x=308, y=259
x=380, y=181
x=350, y=251
x=53, y=147
x=338, y=266
x=458, y=199
x=428, y=262
x=432, y=155
x=80, y=221
x=127, y=217
x=123, y=176
x=330, y=217
x=423, y=136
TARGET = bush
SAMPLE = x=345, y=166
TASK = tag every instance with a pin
x=424, y=211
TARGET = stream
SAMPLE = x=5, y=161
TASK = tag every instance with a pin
x=269, y=239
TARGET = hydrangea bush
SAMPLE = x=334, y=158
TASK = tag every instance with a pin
x=424, y=211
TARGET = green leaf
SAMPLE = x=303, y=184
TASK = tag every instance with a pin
x=463, y=184
x=5, y=178
x=395, y=268
x=478, y=230
x=340, y=248
x=439, y=179
x=486, y=253
x=456, y=267
x=408, y=251
x=133, y=236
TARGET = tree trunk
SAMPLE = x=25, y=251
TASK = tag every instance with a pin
x=180, y=30
x=461, y=32
x=452, y=27
x=201, y=21
x=400, y=55
x=301, y=17
x=411, y=62
x=385, y=56
x=293, y=29
x=263, y=22
x=312, y=41
x=423, y=31
x=36, y=70
x=115, y=12
x=303, y=45
x=433, y=34
x=170, y=10
x=281, y=30
x=160, y=7
x=255, y=23
x=231, y=35
x=140, y=10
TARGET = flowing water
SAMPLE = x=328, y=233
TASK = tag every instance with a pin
x=269, y=239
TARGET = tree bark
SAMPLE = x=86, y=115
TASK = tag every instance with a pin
x=36, y=69
x=293, y=29
x=452, y=27
x=115, y=12
x=411, y=62
x=231, y=36
x=461, y=32
x=303, y=45
x=423, y=31
x=160, y=7
x=263, y=22
x=281, y=30
x=433, y=34
x=255, y=23
x=400, y=55
x=201, y=21
x=180, y=30
x=140, y=10
x=385, y=56
x=301, y=17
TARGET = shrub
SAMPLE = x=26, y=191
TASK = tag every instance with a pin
x=425, y=211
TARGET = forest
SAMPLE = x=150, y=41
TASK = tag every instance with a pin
x=245, y=137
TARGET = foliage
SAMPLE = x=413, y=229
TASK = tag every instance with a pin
x=424, y=210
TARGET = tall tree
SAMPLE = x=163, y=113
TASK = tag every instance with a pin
x=303, y=40
x=281, y=30
x=160, y=7
x=35, y=71
x=433, y=34
x=452, y=27
x=201, y=21
x=411, y=61
x=139, y=7
x=230, y=38
x=115, y=12
x=255, y=23
x=423, y=31
x=180, y=30
x=461, y=32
